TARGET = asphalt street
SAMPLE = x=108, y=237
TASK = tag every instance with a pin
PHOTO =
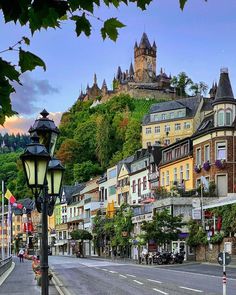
x=82, y=276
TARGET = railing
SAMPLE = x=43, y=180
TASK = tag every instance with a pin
x=153, y=176
x=5, y=264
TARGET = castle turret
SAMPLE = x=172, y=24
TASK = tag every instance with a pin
x=145, y=60
x=224, y=104
x=119, y=74
x=104, y=87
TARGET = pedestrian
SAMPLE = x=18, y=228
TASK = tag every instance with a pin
x=21, y=255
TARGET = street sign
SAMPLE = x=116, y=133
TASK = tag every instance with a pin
x=227, y=258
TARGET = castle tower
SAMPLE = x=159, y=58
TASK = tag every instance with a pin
x=224, y=104
x=145, y=60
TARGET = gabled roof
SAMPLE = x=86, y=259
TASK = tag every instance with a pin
x=28, y=203
x=71, y=190
x=127, y=161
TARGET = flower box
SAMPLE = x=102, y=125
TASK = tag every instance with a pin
x=207, y=166
x=197, y=168
x=220, y=164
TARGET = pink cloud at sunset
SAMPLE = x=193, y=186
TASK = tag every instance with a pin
x=18, y=124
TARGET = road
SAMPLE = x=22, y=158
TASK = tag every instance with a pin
x=82, y=276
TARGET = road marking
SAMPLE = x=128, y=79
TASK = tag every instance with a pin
x=112, y=271
x=123, y=276
x=154, y=281
x=132, y=276
x=104, y=269
x=140, y=283
x=162, y=292
x=195, y=290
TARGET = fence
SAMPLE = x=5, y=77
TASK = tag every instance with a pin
x=5, y=264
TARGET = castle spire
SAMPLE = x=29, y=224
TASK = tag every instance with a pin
x=131, y=69
x=119, y=73
x=104, y=84
x=95, y=79
x=154, y=45
x=144, y=43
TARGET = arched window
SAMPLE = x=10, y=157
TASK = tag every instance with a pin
x=220, y=118
x=228, y=117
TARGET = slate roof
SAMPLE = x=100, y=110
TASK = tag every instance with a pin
x=224, y=90
x=190, y=103
x=144, y=43
x=28, y=203
x=206, y=124
x=127, y=161
x=207, y=104
x=71, y=190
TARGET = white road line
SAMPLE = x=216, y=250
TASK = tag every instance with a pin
x=112, y=271
x=132, y=276
x=162, y=292
x=195, y=290
x=104, y=269
x=123, y=276
x=140, y=283
x=159, y=282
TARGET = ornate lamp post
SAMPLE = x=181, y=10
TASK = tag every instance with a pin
x=44, y=176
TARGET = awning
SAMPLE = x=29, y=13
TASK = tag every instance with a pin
x=60, y=244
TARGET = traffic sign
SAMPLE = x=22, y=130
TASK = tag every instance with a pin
x=227, y=258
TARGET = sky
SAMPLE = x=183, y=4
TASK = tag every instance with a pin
x=199, y=41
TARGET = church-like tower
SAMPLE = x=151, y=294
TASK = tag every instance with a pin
x=144, y=60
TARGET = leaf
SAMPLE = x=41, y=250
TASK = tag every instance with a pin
x=82, y=25
x=110, y=28
x=28, y=61
x=26, y=40
x=5, y=103
x=9, y=71
x=14, y=9
x=182, y=3
x=82, y=4
x=142, y=3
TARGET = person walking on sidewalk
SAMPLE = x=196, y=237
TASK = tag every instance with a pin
x=21, y=255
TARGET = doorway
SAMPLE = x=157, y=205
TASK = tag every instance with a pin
x=179, y=246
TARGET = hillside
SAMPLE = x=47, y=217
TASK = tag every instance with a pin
x=92, y=139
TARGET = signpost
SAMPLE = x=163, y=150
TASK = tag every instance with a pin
x=224, y=259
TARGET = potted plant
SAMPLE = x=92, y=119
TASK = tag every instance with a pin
x=197, y=168
x=220, y=164
x=207, y=166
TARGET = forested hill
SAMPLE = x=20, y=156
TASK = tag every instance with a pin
x=94, y=138
x=13, y=143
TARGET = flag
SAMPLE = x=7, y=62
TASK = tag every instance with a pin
x=10, y=197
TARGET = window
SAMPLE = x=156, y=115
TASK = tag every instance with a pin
x=112, y=173
x=172, y=115
x=148, y=130
x=177, y=152
x=167, y=178
x=156, y=118
x=186, y=125
x=157, y=129
x=112, y=191
x=181, y=173
x=221, y=150
x=207, y=153
x=228, y=117
x=180, y=114
x=220, y=118
x=177, y=126
x=163, y=116
x=177, y=139
x=198, y=156
x=187, y=172
x=185, y=149
x=163, y=179
x=144, y=183
x=175, y=174
x=139, y=186
x=134, y=187
x=169, y=156
x=167, y=128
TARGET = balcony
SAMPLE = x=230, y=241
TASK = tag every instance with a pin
x=76, y=218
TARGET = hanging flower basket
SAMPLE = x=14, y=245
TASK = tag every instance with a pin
x=207, y=166
x=220, y=164
x=197, y=168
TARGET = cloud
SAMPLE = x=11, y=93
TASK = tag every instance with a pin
x=19, y=124
x=29, y=93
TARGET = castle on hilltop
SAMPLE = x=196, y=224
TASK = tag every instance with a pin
x=139, y=81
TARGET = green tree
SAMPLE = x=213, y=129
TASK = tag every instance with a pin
x=181, y=82
x=199, y=88
x=81, y=235
x=85, y=170
x=163, y=229
x=132, y=138
x=197, y=236
x=39, y=15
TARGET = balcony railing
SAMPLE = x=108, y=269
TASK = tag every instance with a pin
x=75, y=218
x=153, y=176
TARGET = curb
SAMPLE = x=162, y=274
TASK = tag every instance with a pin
x=59, y=285
x=7, y=273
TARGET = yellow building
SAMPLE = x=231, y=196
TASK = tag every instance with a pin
x=176, y=168
x=123, y=181
x=170, y=121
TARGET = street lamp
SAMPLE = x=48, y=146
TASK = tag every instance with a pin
x=44, y=176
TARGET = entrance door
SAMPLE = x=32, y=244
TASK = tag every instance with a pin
x=221, y=181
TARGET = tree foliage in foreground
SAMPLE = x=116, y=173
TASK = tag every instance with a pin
x=163, y=228
x=37, y=15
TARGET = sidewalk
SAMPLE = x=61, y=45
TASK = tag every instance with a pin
x=21, y=281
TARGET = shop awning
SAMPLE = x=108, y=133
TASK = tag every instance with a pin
x=60, y=244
